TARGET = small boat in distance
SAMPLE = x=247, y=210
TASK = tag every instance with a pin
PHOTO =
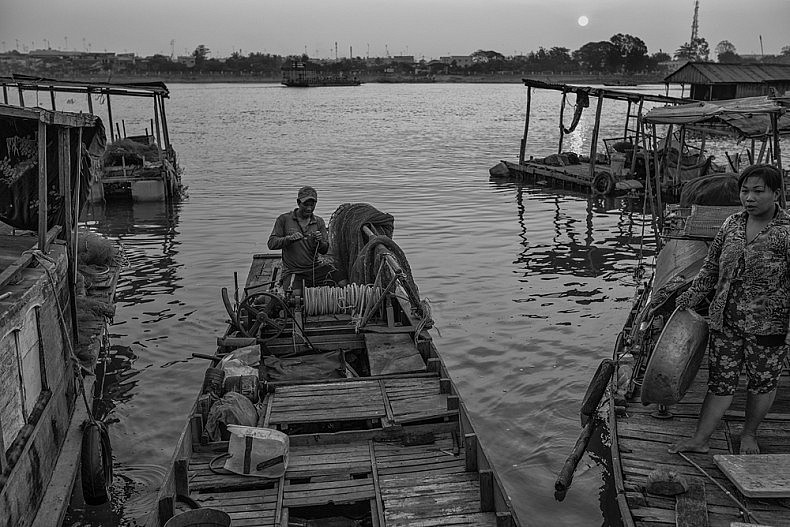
x=141, y=166
x=305, y=74
x=354, y=419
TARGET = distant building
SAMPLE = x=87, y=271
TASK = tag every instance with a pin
x=710, y=81
x=403, y=59
x=461, y=61
x=186, y=60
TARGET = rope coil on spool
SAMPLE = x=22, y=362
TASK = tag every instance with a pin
x=328, y=300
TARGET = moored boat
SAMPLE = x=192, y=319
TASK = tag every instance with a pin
x=660, y=380
x=56, y=295
x=140, y=165
x=614, y=165
x=362, y=421
x=304, y=74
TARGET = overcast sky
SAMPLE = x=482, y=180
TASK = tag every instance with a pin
x=423, y=28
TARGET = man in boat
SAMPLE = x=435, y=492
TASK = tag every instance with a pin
x=747, y=267
x=302, y=236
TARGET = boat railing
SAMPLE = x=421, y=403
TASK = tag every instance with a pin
x=697, y=222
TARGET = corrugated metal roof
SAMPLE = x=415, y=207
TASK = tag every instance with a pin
x=713, y=73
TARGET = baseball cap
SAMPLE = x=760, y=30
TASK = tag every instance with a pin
x=306, y=193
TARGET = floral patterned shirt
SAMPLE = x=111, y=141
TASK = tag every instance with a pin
x=757, y=272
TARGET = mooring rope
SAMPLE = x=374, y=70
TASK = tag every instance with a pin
x=352, y=299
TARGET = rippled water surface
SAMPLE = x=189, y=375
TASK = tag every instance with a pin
x=528, y=287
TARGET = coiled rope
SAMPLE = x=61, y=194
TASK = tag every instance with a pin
x=354, y=299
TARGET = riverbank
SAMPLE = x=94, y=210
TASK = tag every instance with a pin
x=591, y=79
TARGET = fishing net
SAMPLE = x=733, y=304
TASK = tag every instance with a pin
x=358, y=258
x=129, y=152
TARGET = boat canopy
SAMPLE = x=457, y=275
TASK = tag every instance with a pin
x=132, y=89
x=748, y=117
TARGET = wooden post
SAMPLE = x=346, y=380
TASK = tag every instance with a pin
x=181, y=477
x=486, y=478
x=659, y=214
x=523, y=147
x=64, y=162
x=90, y=101
x=156, y=120
x=109, y=118
x=470, y=449
x=778, y=157
x=42, y=187
x=52, y=97
x=78, y=183
x=165, y=132
x=596, y=128
x=627, y=120
x=21, y=96
x=5, y=94
x=562, y=125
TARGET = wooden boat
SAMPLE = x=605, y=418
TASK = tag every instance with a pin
x=50, y=330
x=377, y=436
x=641, y=433
x=309, y=75
x=140, y=166
x=618, y=168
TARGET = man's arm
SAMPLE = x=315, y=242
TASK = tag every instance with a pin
x=278, y=238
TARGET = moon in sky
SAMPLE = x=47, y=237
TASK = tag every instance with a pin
x=583, y=21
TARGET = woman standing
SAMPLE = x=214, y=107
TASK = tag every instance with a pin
x=747, y=265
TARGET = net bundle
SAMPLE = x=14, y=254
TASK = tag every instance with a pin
x=357, y=257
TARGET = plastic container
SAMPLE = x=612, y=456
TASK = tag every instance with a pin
x=212, y=381
x=203, y=517
x=617, y=163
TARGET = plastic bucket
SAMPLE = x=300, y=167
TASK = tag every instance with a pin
x=200, y=518
x=617, y=164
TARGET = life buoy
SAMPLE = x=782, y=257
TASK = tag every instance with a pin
x=603, y=184
x=596, y=389
x=96, y=463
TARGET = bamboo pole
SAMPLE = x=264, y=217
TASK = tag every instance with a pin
x=562, y=126
x=42, y=187
x=78, y=184
x=109, y=119
x=778, y=157
x=156, y=119
x=659, y=212
x=5, y=94
x=521, y=152
x=596, y=128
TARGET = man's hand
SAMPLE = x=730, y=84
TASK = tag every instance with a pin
x=317, y=236
x=294, y=236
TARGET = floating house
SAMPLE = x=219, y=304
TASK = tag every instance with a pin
x=139, y=165
x=51, y=327
x=709, y=81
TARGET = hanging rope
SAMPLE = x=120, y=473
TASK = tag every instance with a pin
x=582, y=102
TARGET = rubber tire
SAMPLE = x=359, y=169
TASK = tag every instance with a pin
x=602, y=184
x=94, y=482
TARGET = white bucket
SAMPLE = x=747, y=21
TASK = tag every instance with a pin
x=617, y=163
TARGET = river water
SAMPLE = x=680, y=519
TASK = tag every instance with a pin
x=528, y=287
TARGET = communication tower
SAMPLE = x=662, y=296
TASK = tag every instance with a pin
x=694, y=23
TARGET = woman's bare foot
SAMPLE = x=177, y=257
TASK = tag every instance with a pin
x=689, y=445
x=749, y=445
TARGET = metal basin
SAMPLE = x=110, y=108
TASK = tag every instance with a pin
x=676, y=358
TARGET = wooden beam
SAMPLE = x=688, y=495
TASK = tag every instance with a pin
x=596, y=129
x=691, y=507
x=523, y=146
x=181, y=477
x=42, y=187
x=562, y=125
x=9, y=273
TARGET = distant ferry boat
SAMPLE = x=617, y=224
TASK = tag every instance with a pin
x=306, y=75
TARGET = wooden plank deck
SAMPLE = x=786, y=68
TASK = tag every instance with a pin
x=569, y=177
x=643, y=441
x=416, y=485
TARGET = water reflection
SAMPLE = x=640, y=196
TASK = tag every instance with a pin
x=148, y=233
